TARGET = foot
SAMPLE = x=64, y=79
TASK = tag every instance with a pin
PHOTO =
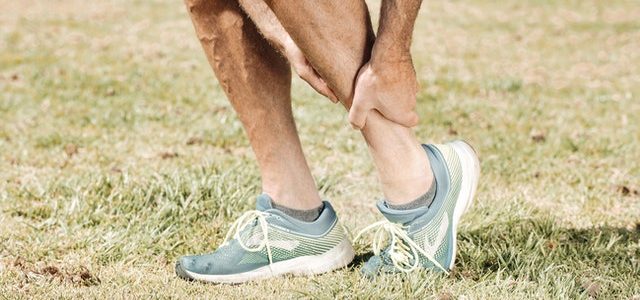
x=425, y=237
x=268, y=243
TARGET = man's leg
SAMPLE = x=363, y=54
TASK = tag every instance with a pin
x=257, y=81
x=424, y=229
x=270, y=240
x=336, y=37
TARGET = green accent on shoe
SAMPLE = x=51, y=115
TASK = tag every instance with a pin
x=266, y=242
x=425, y=237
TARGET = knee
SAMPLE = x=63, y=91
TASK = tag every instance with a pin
x=214, y=10
x=199, y=6
x=214, y=17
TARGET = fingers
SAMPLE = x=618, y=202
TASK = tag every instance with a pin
x=358, y=114
x=315, y=81
x=405, y=116
x=407, y=119
x=323, y=88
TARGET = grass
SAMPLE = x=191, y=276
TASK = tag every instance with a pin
x=119, y=152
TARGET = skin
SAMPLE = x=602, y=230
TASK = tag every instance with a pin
x=257, y=82
x=387, y=83
x=351, y=66
x=273, y=31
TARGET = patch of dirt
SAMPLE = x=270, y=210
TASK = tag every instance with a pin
x=50, y=270
x=538, y=136
x=76, y=275
x=83, y=277
x=625, y=190
x=194, y=141
x=168, y=155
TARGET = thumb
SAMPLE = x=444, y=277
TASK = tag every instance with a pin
x=405, y=118
x=358, y=114
x=311, y=76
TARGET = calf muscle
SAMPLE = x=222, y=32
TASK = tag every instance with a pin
x=267, y=23
x=337, y=38
x=257, y=81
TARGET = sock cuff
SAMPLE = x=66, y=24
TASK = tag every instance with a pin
x=424, y=200
x=305, y=215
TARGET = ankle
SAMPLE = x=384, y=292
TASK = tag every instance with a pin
x=406, y=177
x=402, y=191
x=305, y=215
x=294, y=197
x=423, y=200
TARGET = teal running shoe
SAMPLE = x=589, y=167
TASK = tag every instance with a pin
x=265, y=243
x=425, y=237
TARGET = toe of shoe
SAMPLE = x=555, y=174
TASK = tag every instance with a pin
x=181, y=271
x=371, y=268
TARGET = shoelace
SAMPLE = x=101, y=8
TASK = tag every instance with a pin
x=245, y=220
x=402, y=248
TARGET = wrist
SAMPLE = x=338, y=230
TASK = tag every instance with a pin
x=394, y=62
x=393, y=67
x=389, y=53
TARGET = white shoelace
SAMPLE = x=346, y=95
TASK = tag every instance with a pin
x=402, y=249
x=245, y=220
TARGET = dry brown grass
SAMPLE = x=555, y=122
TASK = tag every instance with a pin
x=119, y=153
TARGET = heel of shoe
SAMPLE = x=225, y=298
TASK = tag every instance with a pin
x=470, y=175
x=471, y=170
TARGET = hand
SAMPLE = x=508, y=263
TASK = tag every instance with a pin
x=304, y=69
x=388, y=87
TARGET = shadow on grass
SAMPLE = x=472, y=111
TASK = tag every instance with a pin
x=539, y=250
x=525, y=247
x=360, y=259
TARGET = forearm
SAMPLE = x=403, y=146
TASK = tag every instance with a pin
x=267, y=23
x=397, y=19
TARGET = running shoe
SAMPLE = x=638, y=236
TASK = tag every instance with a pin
x=425, y=237
x=265, y=243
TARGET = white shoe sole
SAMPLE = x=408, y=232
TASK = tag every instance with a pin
x=470, y=175
x=338, y=257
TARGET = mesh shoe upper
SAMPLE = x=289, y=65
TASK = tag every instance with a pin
x=270, y=237
x=428, y=228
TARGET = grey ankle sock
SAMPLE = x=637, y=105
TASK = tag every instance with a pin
x=308, y=215
x=425, y=200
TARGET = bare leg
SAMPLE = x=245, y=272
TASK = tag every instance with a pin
x=257, y=81
x=336, y=37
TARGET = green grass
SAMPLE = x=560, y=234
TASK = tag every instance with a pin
x=119, y=152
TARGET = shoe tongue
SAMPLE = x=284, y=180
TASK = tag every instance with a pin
x=263, y=202
x=400, y=216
